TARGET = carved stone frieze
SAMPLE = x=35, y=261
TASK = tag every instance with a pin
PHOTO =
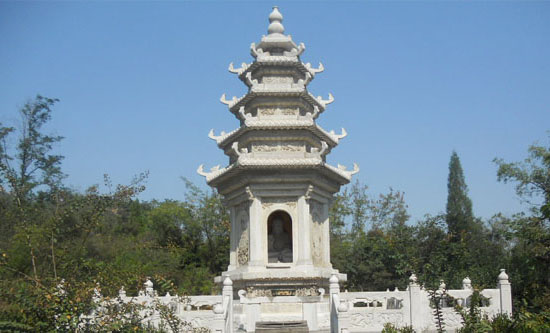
x=268, y=202
x=252, y=292
x=284, y=111
x=277, y=79
x=309, y=291
x=294, y=146
x=369, y=319
x=243, y=245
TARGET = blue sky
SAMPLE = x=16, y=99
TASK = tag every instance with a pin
x=139, y=84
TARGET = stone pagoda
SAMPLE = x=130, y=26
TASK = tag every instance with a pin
x=278, y=186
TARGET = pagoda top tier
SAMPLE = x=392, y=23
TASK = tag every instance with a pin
x=276, y=43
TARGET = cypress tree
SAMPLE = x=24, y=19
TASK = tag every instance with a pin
x=459, y=215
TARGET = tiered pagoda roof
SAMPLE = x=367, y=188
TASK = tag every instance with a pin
x=277, y=116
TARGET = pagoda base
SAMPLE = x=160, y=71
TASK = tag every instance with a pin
x=279, y=281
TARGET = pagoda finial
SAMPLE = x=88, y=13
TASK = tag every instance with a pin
x=275, y=22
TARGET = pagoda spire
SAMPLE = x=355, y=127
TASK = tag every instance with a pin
x=275, y=22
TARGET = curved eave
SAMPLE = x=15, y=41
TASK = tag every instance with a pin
x=278, y=125
x=303, y=93
x=337, y=175
x=275, y=61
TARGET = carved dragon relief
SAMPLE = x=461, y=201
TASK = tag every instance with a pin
x=314, y=114
x=256, y=52
x=314, y=71
x=230, y=103
x=242, y=247
x=239, y=71
x=337, y=137
x=249, y=81
x=238, y=152
x=295, y=52
x=244, y=116
x=320, y=152
x=217, y=138
x=326, y=102
x=343, y=168
x=213, y=171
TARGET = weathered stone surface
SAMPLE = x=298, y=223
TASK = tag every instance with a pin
x=282, y=327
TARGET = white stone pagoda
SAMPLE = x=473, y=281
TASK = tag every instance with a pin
x=278, y=185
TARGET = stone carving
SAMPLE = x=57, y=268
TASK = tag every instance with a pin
x=370, y=319
x=314, y=71
x=266, y=203
x=242, y=225
x=252, y=292
x=213, y=170
x=227, y=102
x=452, y=318
x=282, y=111
x=321, y=151
x=267, y=111
x=238, y=152
x=277, y=79
x=323, y=102
x=243, y=115
x=289, y=112
x=242, y=252
x=309, y=291
x=339, y=136
x=279, y=243
x=249, y=80
x=350, y=173
x=239, y=71
x=278, y=146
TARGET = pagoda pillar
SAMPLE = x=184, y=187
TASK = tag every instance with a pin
x=304, y=235
x=256, y=248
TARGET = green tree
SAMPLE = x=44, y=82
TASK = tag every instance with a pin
x=530, y=261
x=532, y=178
x=459, y=215
x=31, y=164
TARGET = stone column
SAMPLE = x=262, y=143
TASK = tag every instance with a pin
x=304, y=233
x=326, y=233
x=233, y=240
x=256, y=257
x=505, y=293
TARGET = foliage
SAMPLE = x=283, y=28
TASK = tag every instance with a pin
x=459, y=215
x=522, y=321
x=436, y=298
x=390, y=328
x=531, y=233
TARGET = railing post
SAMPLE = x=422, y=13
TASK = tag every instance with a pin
x=414, y=302
x=338, y=309
x=227, y=294
x=505, y=288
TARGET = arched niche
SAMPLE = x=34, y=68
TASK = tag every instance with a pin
x=279, y=237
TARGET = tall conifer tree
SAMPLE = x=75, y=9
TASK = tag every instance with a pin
x=459, y=215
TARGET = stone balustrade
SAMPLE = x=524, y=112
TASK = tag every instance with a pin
x=339, y=312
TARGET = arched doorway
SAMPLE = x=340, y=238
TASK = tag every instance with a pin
x=279, y=237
